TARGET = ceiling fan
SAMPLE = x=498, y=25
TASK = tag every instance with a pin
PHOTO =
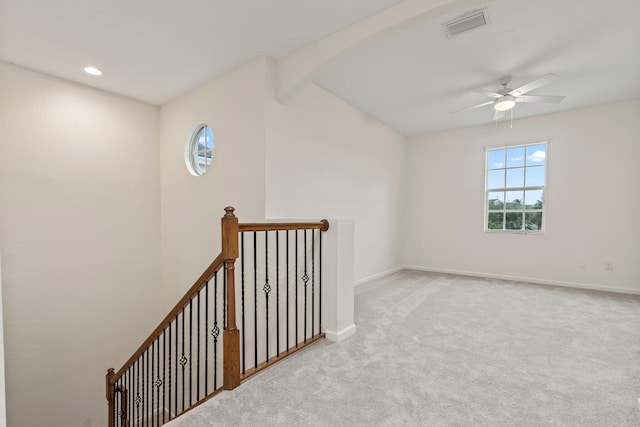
x=506, y=98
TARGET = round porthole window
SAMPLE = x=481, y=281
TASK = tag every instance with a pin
x=198, y=151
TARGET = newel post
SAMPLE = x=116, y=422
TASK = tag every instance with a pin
x=231, y=336
x=111, y=398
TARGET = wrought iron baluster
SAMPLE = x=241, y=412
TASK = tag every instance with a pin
x=305, y=279
x=153, y=345
x=169, y=359
x=287, y=262
x=198, y=349
x=215, y=331
x=266, y=289
x=177, y=347
x=183, y=359
x=164, y=371
x=130, y=395
x=320, y=282
x=277, y=293
x=137, y=399
x=255, y=301
x=206, y=341
x=145, y=389
x=158, y=383
x=190, y=349
x=313, y=280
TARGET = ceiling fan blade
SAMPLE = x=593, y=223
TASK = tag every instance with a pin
x=498, y=115
x=487, y=92
x=534, y=85
x=540, y=98
x=471, y=108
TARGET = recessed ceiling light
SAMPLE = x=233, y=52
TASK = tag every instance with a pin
x=93, y=71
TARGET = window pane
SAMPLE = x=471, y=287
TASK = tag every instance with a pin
x=495, y=201
x=515, y=177
x=209, y=138
x=533, y=221
x=535, y=176
x=533, y=199
x=495, y=220
x=536, y=154
x=513, y=221
x=514, y=200
x=495, y=179
x=495, y=159
x=515, y=157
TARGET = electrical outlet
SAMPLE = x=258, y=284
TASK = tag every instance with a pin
x=608, y=266
x=581, y=263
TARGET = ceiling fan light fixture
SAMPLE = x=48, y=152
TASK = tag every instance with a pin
x=505, y=103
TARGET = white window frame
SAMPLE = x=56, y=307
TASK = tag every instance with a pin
x=192, y=152
x=524, y=188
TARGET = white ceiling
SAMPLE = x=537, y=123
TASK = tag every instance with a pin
x=155, y=50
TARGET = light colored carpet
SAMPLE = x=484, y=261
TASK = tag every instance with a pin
x=440, y=350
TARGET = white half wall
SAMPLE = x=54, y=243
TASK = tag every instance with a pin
x=324, y=158
x=192, y=206
x=80, y=242
x=592, y=201
x=338, y=295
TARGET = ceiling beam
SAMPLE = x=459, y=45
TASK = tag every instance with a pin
x=301, y=67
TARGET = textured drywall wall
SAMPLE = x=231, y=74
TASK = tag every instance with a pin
x=233, y=105
x=326, y=158
x=79, y=229
x=592, y=200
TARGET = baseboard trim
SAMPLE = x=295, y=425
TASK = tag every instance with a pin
x=378, y=276
x=577, y=285
x=342, y=334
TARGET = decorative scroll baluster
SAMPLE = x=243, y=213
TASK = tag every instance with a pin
x=305, y=279
x=215, y=331
x=266, y=289
x=190, y=348
x=183, y=360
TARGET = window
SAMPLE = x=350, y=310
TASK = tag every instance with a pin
x=199, y=149
x=515, y=185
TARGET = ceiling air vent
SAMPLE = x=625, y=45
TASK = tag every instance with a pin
x=466, y=22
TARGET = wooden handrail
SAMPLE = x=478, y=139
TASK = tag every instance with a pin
x=199, y=284
x=322, y=225
x=231, y=335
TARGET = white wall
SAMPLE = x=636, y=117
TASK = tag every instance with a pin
x=592, y=199
x=324, y=158
x=79, y=229
x=3, y=395
x=233, y=106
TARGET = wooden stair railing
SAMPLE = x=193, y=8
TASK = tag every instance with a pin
x=151, y=387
